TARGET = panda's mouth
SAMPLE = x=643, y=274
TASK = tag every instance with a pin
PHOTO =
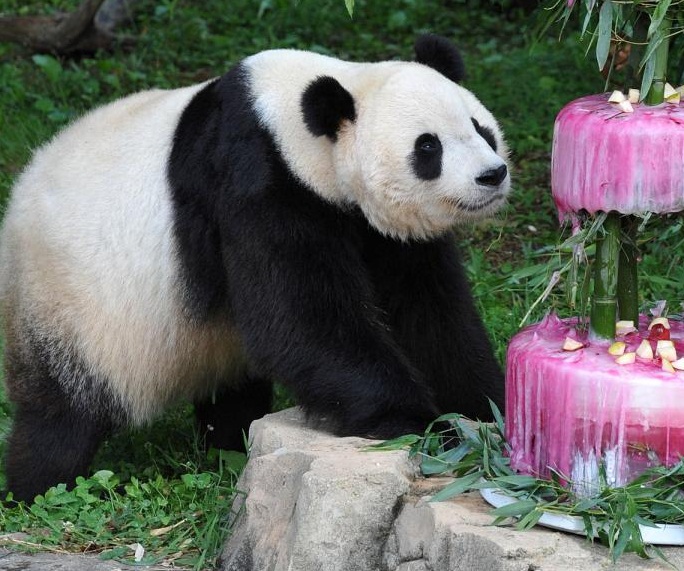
x=474, y=206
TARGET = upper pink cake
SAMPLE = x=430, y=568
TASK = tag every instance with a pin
x=604, y=159
x=570, y=411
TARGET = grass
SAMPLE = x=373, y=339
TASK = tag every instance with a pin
x=155, y=478
x=174, y=500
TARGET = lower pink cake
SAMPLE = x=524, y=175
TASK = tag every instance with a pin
x=604, y=159
x=569, y=411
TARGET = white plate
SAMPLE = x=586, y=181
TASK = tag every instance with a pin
x=662, y=534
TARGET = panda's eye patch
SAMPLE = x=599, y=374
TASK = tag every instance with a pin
x=427, y=157
x=428, y=143
x=486, y=133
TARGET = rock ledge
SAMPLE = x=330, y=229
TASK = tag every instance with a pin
x=314, y=502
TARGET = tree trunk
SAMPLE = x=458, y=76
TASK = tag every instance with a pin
x=61, y=33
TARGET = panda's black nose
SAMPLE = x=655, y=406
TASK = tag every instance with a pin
x=492, y=177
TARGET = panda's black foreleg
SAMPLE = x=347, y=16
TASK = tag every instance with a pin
x=224, y=418
x=425, y=291
x=48, y=446
x=306, y=309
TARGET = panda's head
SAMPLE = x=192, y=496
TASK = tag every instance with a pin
x=413, y=149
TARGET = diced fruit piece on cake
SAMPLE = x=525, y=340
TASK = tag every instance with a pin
x=679, y=364
x=617, y=348
x=644, y=350
x=665, y=349
x=626, y=107
x=571, y=344
x=659, y=321
x=626, y=359
x=617, y=97
x=624, y=327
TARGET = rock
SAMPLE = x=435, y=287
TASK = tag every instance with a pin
x=315, y=502
x=16, y=561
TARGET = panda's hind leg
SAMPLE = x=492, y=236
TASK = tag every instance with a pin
x=48, y=447
x=224, y=417
x=52, y=440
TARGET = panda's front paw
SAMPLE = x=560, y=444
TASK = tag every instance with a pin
x=388, y=428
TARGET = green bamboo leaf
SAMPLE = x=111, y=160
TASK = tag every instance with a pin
x=628, y=536
x=398, y=443
x=586, y=504
x=498, y=417
x=587, y=19
x=445, y=461
x=589, y=6
x=49, y=65
x=653, y=45
x=530, y=520
x=451, y=417
x=455, y=455
x=663, y=281
x=558, y=12
x=485, y=460
x=457, y=487
x=500, y=521
x=516, y=481
x=604, y=30
x=647, y=77
x=501, y=465
x=645, y=522
x=662, y=6
x=469, y=434
x=528, y=271
x=516, y=509
x=350, y=7
x=659, y=552
x=430, y=466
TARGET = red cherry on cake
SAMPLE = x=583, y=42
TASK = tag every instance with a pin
x=658, y=332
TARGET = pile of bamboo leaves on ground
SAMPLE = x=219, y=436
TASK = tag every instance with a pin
x=476, y=455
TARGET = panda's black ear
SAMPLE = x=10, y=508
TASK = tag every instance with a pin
x=441, y=55
x=325, y=104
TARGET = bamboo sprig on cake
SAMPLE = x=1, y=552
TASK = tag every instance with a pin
x=615, y=269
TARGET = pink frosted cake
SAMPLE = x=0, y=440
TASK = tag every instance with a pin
x=604, y=159
x=576, y=406
x=567, y=410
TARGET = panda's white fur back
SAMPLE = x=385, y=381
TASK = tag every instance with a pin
x=88, y=254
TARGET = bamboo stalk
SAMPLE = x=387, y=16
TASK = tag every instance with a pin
x=627, y=285
x=655, y=93
x=604, y=301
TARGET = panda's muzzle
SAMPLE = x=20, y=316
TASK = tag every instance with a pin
x=493, y=177
x=474, y=207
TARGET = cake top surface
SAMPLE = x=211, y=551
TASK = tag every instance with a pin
x=545, y=340
x=604, y=159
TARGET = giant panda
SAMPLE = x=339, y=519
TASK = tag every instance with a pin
x=290, y=220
